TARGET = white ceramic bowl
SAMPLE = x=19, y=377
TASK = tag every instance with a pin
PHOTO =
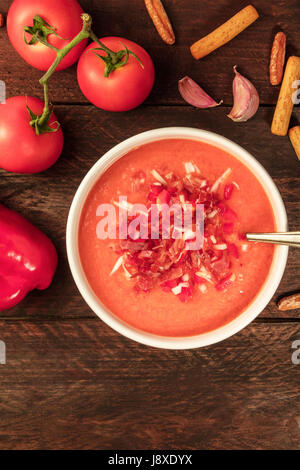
x=187, y=342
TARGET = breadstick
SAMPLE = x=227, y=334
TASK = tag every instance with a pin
x=284, y=106
x=294, y=135
x=290, y=302
x=160, y=20
x=225, y=32
x=277, y=58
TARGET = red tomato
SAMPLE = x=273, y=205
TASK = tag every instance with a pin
x=21, y=150
x=64, y=15
x=125, y=88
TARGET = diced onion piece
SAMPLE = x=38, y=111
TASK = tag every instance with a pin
x=117, y=265
x=124, y=205
x=212, y=214
x=203, y=288
x=236, y=185
x=188, y=235
x=244, y=247
x=159, y=178
x=221, y=246
x=177, y=290
x=185, y=277
x=220, y=180
x=213, y=239
x=189, y=167
x=204, y=274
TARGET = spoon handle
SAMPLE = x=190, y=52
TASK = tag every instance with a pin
x=279, y=238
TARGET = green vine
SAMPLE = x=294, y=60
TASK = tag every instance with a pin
x=40, y=32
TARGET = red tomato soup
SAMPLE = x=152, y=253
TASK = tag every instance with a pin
x=159, y=286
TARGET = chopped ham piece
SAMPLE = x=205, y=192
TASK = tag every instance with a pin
x=185, y=294
x=228, y=228
x=228, y=190
x=225, y=282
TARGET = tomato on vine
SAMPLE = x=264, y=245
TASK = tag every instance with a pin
x=22, y=149
x=38, y=28
x=115, y=74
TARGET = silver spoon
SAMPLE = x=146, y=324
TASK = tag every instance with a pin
x=279, y=238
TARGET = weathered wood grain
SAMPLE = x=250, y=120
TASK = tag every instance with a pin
x=192, y=20
x=70, y=381
x=90, y=132
x=79, y=385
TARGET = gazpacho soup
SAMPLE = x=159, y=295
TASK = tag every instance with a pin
x=162, y=237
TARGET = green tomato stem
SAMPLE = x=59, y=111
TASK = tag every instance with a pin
x=106, y=49
x=85, y=33
x=60, y=54
x=115, y=59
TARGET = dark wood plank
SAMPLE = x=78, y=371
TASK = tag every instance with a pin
x=250, y=51
x=89, y=132
x=70, y=381
x=79, y=385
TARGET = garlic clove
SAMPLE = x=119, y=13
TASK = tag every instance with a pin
x=245, y=97
x=193, y=94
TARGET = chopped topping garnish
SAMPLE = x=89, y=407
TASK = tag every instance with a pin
x=178, y=289
x=228, y=228
x=228, y=190
x=125, y=205
x=225, y=282
x=117, y=265
x=212, y=214
x=191, y=168
x=221, y=246
x=220, y=180
x=203, y=288
x=232, y=250
x=158, y=177
x=166, y=263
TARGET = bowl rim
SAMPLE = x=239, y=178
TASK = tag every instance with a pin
x=183, y=342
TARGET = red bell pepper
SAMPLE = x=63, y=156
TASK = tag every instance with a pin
x=28, y=258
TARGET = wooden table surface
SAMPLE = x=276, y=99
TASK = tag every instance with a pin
x=70, y=382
